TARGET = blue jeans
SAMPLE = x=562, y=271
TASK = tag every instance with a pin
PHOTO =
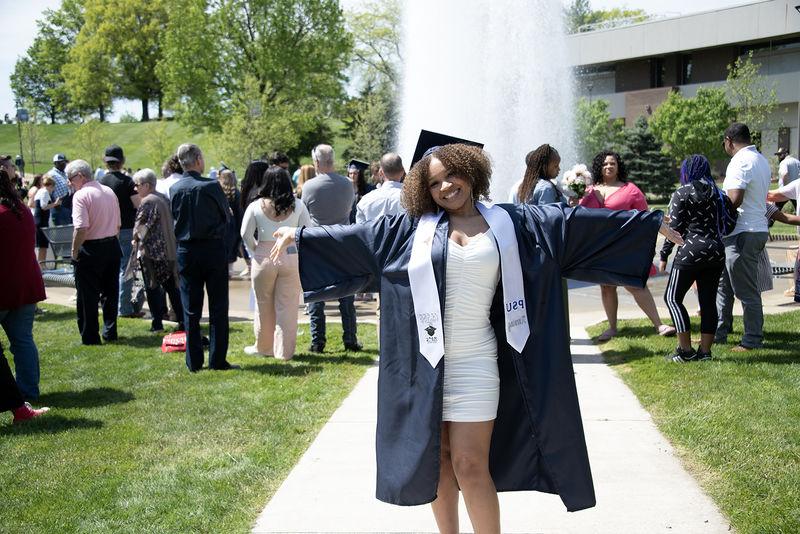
x=125, y=286
x=18, y=325
x=739, y=279
x=347, y=309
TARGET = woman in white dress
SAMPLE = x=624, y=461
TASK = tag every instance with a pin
x=276, y=282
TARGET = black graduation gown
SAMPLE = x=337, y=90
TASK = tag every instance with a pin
x=538, y=442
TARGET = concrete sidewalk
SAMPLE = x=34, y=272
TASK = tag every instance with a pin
x=640, y=484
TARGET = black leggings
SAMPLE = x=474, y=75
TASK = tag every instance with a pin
x=680, y=281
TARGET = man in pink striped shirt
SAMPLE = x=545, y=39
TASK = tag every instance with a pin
x=95, y=252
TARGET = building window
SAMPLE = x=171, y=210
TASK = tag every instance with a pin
x=657, y=72
x=784, y=138
x=686, y=69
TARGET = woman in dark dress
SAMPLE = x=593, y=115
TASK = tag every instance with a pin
x=426, y=451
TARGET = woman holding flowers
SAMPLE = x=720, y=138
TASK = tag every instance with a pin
x=536, y=187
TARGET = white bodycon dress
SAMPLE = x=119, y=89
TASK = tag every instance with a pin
x=471, y=378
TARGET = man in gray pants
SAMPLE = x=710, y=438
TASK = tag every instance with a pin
x=746, y=183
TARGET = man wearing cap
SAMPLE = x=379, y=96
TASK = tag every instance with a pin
x=788, y=172
x=123, y=187
x=201, y=213
x=329, y=199
x=386, y=199
x=62, y=214
x=95, y=252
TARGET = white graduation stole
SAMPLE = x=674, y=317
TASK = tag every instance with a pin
x=425, y=294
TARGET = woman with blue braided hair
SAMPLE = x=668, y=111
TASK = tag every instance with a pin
x=698, y=211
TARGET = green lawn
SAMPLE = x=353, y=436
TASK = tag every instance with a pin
x=136, y=443
x=735, y=421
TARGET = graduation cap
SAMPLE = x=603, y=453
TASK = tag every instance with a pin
x=357, y=164
x=429, y=141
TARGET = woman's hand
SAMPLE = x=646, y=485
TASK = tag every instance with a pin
x=284, y=236
x=574, y=201
x=669, y=233
x=662, y=267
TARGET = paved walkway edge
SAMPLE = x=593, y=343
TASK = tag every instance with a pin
x=641, y=485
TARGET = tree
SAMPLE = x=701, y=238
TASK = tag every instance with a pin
x=689, y=126
x=752, y=97
x=373, y=124
x=293, y=50
x=127, y=33
x=37, y=76
x=89, y=76
x=371, y=118
x=31, y=134
x=579, y=13
x=90, y=140
x=595, y=131
x=651, y=168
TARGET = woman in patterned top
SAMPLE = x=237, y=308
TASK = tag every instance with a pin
x=695, y=212
x=154, y=249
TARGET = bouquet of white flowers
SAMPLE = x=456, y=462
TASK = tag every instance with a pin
x=577, y=179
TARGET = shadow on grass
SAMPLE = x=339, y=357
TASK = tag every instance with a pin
x=282, y=369
x=87, y=398
x=50, y=424
x=52, y=315
x=363, y=359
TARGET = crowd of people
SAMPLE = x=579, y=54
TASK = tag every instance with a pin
x=333, y=236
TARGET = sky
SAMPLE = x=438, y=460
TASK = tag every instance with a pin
x=21, y=16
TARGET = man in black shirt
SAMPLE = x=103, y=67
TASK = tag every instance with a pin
x=123, y=187
x=201, y=214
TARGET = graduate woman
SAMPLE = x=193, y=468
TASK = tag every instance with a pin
x=476, y=389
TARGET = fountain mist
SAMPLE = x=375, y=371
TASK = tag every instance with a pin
x=493, y=71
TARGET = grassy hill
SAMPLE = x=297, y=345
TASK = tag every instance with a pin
x=132, y=137
x=137, y=140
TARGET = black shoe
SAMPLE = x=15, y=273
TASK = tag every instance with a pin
x=156, y=329
x=683, y=356
x=703, y=356
x=316, y=347
x=109, y=338
x=353, y=347
x=227, y=367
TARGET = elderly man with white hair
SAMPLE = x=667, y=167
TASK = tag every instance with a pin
x=154, y=250
x=95, y=252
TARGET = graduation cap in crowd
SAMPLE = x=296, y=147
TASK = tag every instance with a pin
x=430, y=141
x=358, y=165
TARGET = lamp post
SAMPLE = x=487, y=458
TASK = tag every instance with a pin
x=589, y=87
x=22, y=116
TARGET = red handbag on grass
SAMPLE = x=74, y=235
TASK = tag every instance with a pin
x=174, y=342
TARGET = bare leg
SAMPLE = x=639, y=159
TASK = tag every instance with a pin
x=644, y=299
x=445, y=507
x=610, y=304
x=469, y=451
x=685, y=340
x=706, y=340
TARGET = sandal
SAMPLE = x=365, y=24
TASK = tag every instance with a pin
x=666, y=330
x=607, y=335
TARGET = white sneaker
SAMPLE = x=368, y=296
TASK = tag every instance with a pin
x=252, y=350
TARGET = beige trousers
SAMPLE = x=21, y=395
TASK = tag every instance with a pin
x=277, y=289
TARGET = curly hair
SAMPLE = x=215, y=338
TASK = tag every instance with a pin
x=278, y=188
x=9, y=196
x=597, y=166
x=466, y=161
x=227, y=179
x=536, y=163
